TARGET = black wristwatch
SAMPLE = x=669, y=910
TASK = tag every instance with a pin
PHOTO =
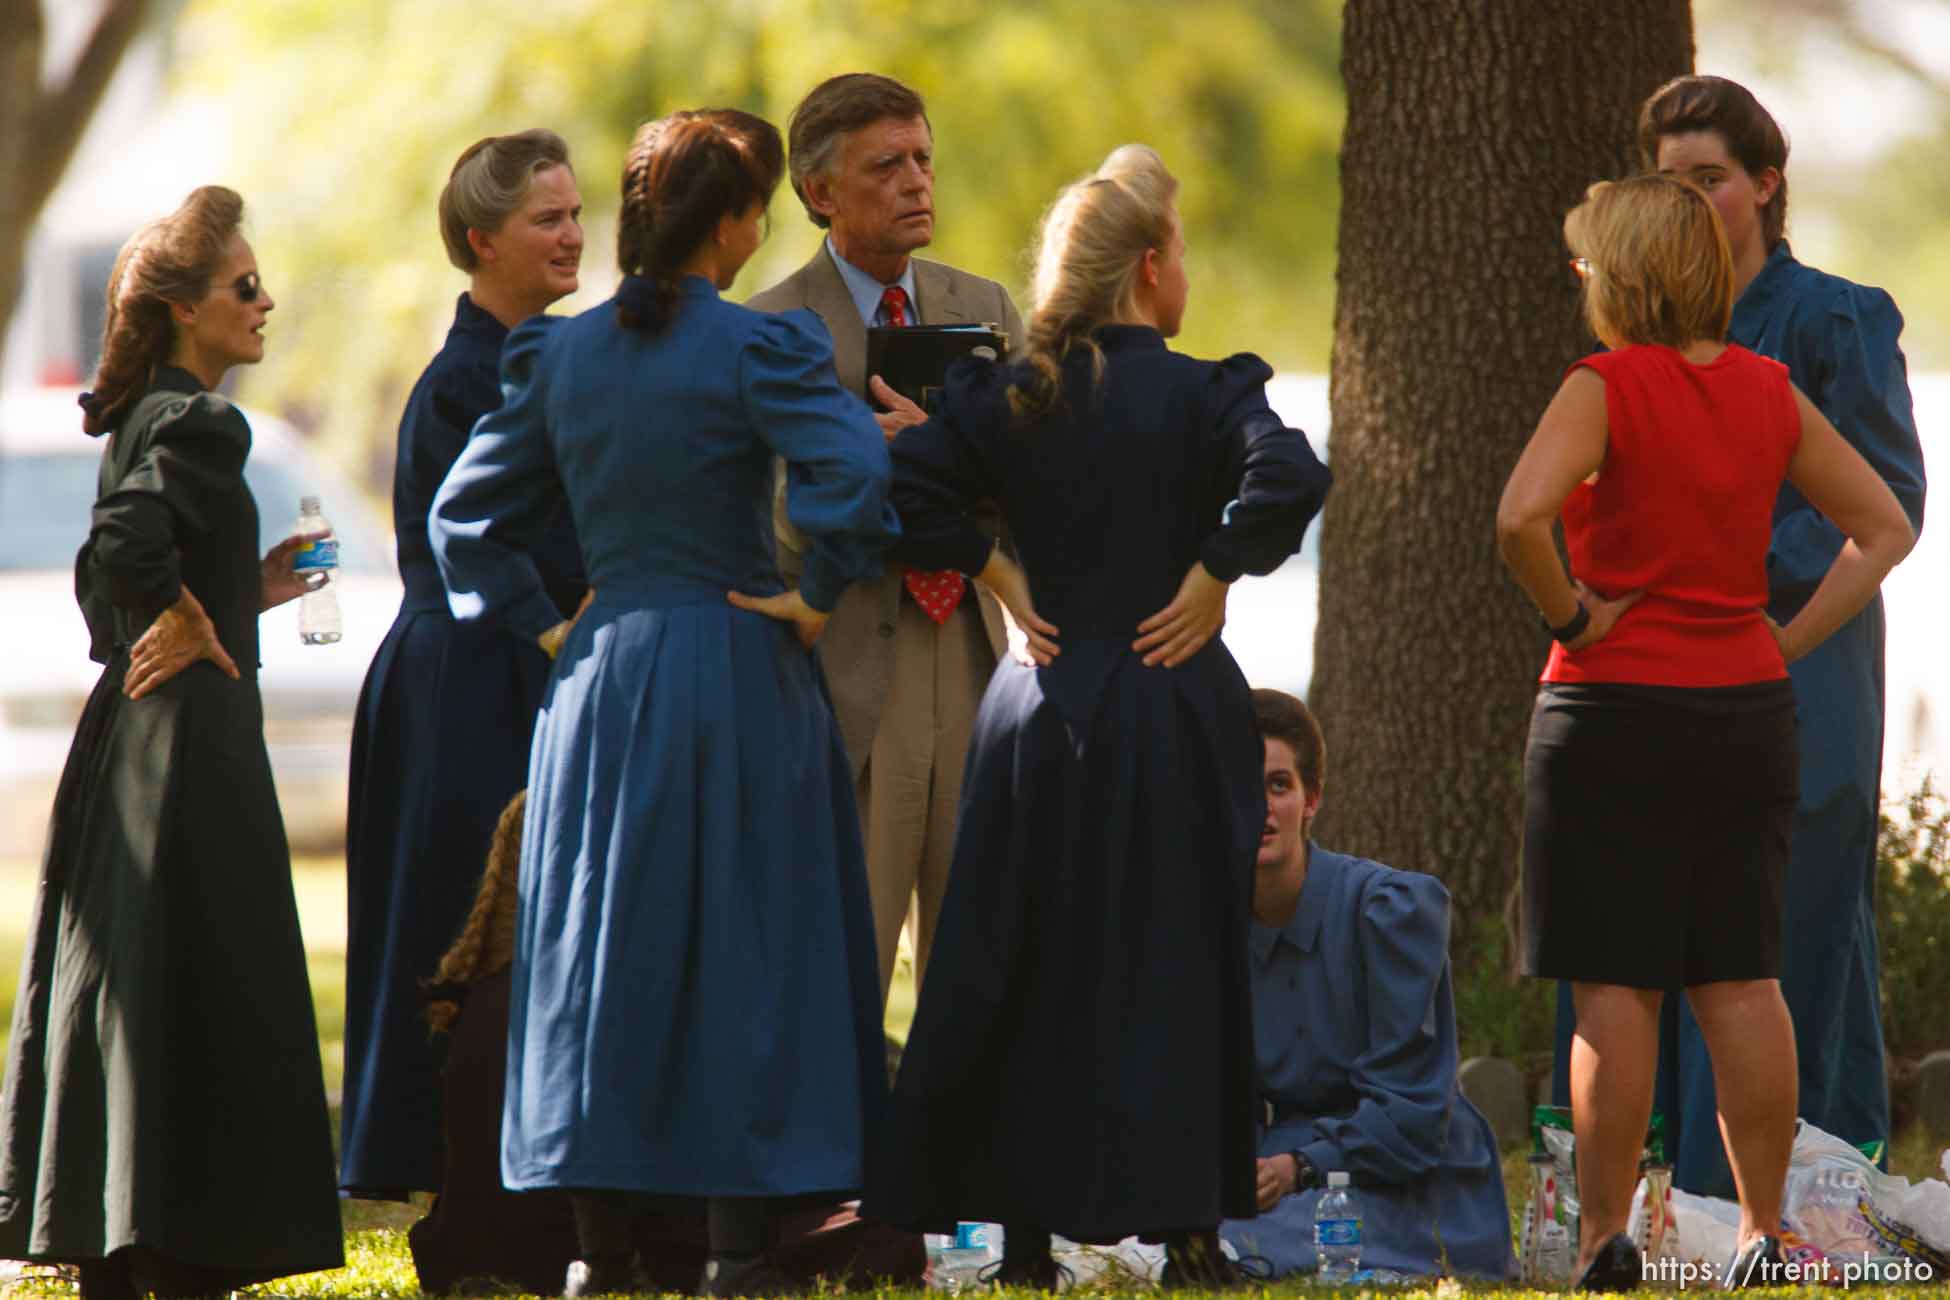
x=1573, y=628
x=1304, y=1173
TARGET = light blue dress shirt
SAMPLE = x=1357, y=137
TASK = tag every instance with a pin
x=1354, y=1028
x=866, y=290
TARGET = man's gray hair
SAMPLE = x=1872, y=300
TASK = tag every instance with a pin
x=835, y=108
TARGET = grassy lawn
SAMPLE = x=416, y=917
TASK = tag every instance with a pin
x=378, y=1263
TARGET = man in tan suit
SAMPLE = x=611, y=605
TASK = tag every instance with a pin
x=907, y=656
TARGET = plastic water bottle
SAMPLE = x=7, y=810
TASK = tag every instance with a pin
x=318, y=610
x=1337, y=1230
x=956, y=1263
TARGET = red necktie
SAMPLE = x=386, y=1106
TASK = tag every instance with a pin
x=936, y=593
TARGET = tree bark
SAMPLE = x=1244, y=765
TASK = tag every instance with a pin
x=41, y=125
x=1472, y=127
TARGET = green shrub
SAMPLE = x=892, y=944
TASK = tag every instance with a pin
x=1498, y=1012
x=1913, y=921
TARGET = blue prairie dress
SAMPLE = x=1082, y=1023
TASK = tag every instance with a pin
x=1354, y=1021
x=1082, y=1056
x=695, y=1006
x=440, y=745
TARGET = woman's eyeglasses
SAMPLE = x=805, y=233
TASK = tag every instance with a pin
x=247, y=286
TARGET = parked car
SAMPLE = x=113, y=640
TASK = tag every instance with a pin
x=47, y=483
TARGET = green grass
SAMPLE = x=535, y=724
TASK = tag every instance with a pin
x=378, y=1265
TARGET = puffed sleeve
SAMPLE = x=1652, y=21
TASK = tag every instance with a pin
x=188, y=476
x=499, y=497
x=1864, y=392
x=1281, y=484
x=945, y=466
x=836, y=469
x=1406, y=1076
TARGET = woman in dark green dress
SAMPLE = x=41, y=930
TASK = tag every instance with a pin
x=163, y=1118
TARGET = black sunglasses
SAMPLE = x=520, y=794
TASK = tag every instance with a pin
x=247, y=286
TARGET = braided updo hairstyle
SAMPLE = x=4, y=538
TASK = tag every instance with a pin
x=684, y=173
x=167, y=261
x=1093, y=241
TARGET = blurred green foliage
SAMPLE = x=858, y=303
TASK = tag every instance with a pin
x=349, y=113
x=1913, y=920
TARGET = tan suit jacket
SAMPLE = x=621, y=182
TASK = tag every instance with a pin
x=857, y=648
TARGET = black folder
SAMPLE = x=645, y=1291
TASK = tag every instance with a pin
x=914, y=359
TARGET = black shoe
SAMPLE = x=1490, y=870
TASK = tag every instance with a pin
x=107, y=1279
x=600, y=1275
x=1616, y=1267
x=746, y=1275
x=1202, y=1265
x=1036, y=1273
x=1758, y=1263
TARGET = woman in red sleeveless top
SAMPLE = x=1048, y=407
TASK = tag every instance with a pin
x=1661, y=773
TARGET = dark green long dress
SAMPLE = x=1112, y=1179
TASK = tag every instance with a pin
x=163, y=1088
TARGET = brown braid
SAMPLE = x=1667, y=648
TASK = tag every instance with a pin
x=487, y=942
x=684, y=173
x=167, y=261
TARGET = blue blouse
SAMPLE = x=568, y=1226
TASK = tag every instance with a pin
x=1838, y=340
x=1354, y=1028
x=657, y=443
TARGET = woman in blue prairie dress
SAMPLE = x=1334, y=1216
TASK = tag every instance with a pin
x=1082, y=1059
x=695, y=1001
x=448, y=711
x=1354, y=1024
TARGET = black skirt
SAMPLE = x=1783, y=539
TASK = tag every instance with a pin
x=1657, y=823
x=1082, y=1058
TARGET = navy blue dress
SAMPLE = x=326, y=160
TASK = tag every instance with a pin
x=1839, y=341
x=439, y=746
x=1355, y=1020
x=695, y=1005
x=1082, y=1056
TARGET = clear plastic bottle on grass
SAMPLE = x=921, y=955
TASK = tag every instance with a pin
x=1337, y=1229
x=956, y=1263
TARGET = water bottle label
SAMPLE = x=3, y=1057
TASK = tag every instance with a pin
x=1337, y=1232
x=316, y=556
x=971, y=1236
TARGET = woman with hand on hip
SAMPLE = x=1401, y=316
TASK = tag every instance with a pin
x=1662, y=757
x=163, y=1122
x=448, y=710
x=695, y=1007
x=1082, y=1055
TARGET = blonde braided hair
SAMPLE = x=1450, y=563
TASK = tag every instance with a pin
x=1092, y=242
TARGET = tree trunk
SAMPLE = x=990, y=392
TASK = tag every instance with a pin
x=1471, y=128
x=41, y=125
